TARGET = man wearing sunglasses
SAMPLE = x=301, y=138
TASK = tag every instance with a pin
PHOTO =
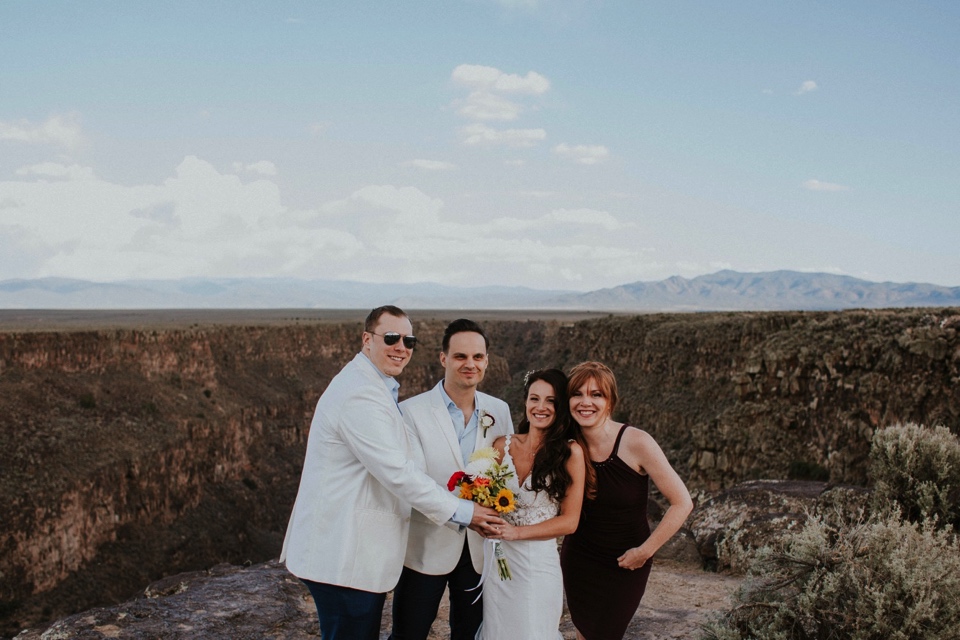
x=348, y=531
x=447, y=424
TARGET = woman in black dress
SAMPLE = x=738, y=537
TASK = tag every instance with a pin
x=607, y=561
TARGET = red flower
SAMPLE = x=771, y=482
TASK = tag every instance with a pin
x=456, y=479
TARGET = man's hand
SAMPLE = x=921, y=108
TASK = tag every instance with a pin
x=485, y=520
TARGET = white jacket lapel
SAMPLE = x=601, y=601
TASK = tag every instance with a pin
x=441, y=416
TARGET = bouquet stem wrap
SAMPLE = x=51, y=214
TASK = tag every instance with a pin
x=503, y=568
x=493, y=555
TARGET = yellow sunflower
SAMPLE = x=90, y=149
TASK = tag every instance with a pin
x=504, y=502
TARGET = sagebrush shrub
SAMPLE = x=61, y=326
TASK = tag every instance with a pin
x=917, y=470
x=884, y=579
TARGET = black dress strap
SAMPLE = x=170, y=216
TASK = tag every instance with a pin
x=616, y=445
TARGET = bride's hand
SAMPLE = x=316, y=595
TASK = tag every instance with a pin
x=507, y=531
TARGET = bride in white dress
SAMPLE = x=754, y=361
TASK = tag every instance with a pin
x=548, y=484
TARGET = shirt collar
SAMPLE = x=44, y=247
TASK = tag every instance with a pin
x=392, y=385
x=449, y=402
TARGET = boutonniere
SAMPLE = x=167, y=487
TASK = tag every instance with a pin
x=485, y=421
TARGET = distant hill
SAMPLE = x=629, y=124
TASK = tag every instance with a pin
x=767, y=291
x=721, y=291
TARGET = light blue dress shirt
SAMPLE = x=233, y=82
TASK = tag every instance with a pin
x=466, y=435
x=392, y=385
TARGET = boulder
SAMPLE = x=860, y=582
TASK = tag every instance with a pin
x=732, y=524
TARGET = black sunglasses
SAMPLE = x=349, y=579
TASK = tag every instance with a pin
x=391, y=338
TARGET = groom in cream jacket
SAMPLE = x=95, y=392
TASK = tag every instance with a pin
x=348, y=531
x=446, y=425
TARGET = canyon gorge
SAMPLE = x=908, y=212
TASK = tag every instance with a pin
x=141, y=450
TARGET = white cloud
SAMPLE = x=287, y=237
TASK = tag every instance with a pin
x=582, y=153
x=200, y=221
x=807, y=87
x=57, y=170
x=817, y=185
x=377, y=211
x=62, y=130
x=264, y=168
x=162, y=212
x=591, y=217
x=488, y=88
x=538, y=194
x=488, y=101
x=559, y=221
x=479, y=77
x=197, y=222
x=515, y=162
x=430, y=165
x=482, y=135
x=483, y=105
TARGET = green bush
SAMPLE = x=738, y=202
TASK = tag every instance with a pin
x=884, y=579
x=917, y=470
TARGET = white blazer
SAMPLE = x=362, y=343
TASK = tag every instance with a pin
x=431, y=549
x=350, y=521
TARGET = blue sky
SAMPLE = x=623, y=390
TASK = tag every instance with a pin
x=544, y=143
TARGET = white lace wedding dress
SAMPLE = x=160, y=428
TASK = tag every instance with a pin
x=529, y=606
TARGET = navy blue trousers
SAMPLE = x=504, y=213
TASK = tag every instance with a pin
x=345, y=613
x=416, y=601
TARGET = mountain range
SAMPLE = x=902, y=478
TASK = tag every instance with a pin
x=721, y=291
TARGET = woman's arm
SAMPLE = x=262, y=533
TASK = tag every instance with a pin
x=644, y=452
x=568, y=519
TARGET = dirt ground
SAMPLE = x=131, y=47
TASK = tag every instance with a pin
x=679, y=598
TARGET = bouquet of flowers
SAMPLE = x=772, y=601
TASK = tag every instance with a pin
x=485, y=482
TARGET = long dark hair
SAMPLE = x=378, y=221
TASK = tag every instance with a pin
x=550, y=463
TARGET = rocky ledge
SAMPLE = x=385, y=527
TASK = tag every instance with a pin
x=264, y=601
x=227, y=602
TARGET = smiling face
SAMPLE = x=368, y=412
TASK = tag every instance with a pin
x=590, y=408
x=389, y=359
x=465, y=361
x=541, y=405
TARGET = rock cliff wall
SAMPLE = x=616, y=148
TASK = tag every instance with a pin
x=136, y=453
x=776, y=395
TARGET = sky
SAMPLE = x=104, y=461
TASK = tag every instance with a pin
x=553, y=144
